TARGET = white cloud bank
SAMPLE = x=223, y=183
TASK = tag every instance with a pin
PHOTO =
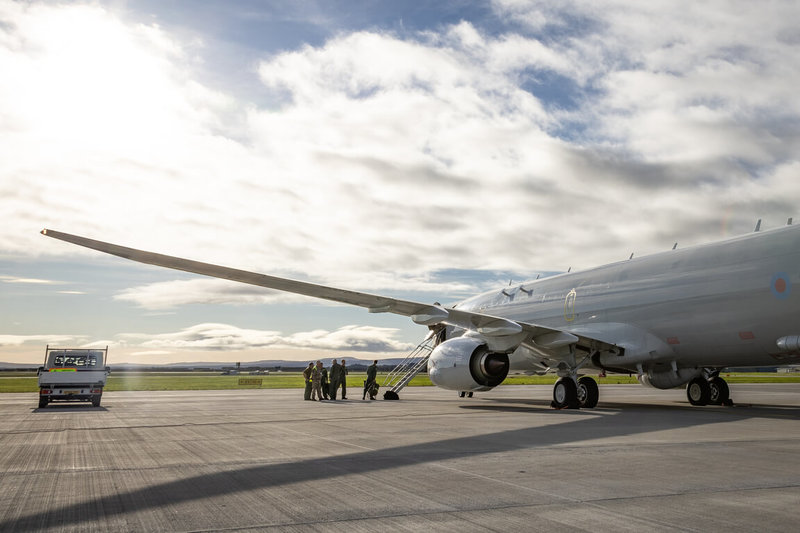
x=19, y=340
x=414, y=153
x=214, y=337
x=225, y=337
x=177, y=293
x=32, y=281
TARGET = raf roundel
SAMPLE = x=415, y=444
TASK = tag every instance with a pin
x=780, y=286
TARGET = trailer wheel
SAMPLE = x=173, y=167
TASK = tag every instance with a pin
x=43, y=401
x=96, y=400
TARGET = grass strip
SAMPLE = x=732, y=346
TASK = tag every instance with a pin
x=163, y=381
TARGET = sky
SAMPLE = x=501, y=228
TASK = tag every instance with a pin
x=424, y=150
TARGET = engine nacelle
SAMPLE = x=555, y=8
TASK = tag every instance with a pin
x=668, y=379
x=466, y=364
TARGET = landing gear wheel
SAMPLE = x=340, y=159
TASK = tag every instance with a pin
x=720, y=393
x=698, y=391
x=565, y=394
x=588, y=393
x=462, y=394
x=469, y=394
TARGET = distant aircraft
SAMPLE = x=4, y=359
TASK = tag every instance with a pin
x=674, y=318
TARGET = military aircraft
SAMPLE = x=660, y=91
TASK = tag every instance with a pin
x=673, y=318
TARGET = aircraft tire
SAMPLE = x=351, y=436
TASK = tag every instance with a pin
x=720, y=392
x=565, y=394
x=698, y=391
x=462, y=394
x=390, y=395
x=588, y=392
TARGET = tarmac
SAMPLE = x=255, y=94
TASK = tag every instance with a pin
x=265, y=460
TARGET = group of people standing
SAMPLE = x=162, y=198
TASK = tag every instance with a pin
x=319, y=387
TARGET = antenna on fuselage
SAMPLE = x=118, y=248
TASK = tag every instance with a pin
x=569, y=270
x=631, y=257
x=674, y=245
x=789, y=222
x=758, y=226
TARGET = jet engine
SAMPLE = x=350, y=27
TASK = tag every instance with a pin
x=466, y=364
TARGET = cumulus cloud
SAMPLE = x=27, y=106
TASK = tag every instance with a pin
x=705, y=85
x=224, y=337
x=176, y=293
x=413, y=152
x=19, y=340
x=170, y=294
x=34, y=281
x=666, y=128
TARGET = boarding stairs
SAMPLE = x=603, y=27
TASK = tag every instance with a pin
x=409, y=367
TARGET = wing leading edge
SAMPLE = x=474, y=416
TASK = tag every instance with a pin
x=421, y=313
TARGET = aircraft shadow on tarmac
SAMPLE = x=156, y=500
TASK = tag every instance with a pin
x=608, y=424
x=744, y=410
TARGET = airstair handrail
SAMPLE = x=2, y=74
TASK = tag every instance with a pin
x=409, y=367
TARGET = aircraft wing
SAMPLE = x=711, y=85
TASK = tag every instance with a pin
x=372, y=302
x=421, y=313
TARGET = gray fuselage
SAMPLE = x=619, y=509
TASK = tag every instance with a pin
x=715, y=305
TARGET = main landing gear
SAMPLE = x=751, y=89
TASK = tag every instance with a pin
x=571, y=394
x=705, y=391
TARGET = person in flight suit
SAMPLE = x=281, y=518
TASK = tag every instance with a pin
x=307, y=377
x=336, y=372
x=343, y=380
x=316, y=378
x=324, y=385
x=372, y=374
